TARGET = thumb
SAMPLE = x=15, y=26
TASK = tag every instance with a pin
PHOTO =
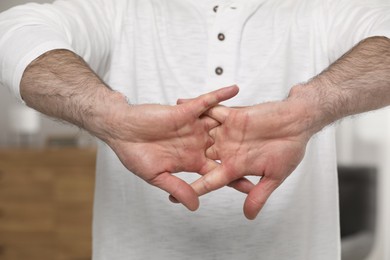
x=243, y=185
x=258, y=196
x=206, y=101
x=178, y=188
x=215, y=179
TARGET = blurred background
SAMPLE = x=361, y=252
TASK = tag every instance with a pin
x=47, y=178
x=363, y=152
x=46, y=183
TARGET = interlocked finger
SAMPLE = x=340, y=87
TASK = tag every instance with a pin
x=178, y=188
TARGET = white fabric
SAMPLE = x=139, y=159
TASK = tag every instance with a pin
x=155, y=51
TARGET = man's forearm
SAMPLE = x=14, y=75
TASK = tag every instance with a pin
x=357, y=82
x=61, y=85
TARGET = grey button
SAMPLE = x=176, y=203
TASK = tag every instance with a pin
x=218, y=71
x=221, y=36
x=215, y=9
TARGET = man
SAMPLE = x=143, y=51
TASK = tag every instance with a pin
x=153, y=52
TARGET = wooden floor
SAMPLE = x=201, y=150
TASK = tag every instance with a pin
x=46, y=204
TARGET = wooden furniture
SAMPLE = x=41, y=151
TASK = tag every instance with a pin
x=46, y=204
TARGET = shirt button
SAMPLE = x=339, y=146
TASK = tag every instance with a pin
x=215, y=9
x=221, y=36
x=218, y=71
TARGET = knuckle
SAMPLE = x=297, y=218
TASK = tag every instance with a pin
x=256, y=202
x=206, y=185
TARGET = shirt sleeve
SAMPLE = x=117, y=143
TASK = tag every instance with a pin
x=351, y=21
x=27, y=31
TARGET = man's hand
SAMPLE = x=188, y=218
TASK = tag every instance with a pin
x=269, y=140
x=266, y=140
x=60, y=84
x=154, y=141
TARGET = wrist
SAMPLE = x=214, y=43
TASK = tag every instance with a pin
x=357, y=82
x=61, y=85
x=313, y=105
x=103, y=120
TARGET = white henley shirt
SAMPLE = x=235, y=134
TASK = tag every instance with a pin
x=155, y=51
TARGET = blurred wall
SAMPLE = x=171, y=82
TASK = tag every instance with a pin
x=365, y=140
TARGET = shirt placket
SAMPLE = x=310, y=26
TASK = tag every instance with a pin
x=224, y=41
